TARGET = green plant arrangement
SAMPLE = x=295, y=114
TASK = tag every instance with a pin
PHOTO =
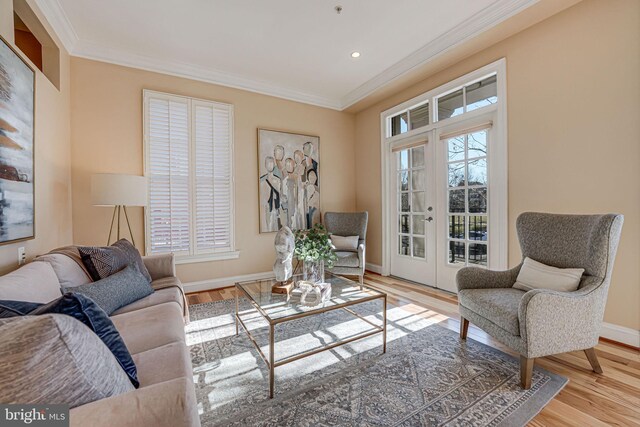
x=314, y=245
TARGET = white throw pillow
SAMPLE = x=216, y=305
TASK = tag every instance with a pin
x=344, y=243
x=536, y=275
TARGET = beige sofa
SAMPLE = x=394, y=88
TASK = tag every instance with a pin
x=153, y=330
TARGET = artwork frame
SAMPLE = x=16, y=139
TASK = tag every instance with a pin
x=17, y=146
x=300, y=153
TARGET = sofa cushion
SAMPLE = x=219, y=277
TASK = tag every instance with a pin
x=499, y=306
x=163, y=364
x=103, y=261
x=33, y=282
x=347, y=259
x=344, y=243
x=68, y=271
x=150, y=327
x=536, y=275
x=90, y=314
x=117, y=290
x=160, y=296
x=55, y=359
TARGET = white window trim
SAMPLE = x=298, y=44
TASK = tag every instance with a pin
x=214, y=254
x=497, y=162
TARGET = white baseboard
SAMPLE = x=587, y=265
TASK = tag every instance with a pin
x=223, y=282
x=374, y=267
x=620, y=334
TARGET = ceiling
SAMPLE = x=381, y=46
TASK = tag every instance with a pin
x=294, y=49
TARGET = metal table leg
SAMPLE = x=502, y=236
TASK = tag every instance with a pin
x=237, y=312
x=384, y=325
x=272, y=366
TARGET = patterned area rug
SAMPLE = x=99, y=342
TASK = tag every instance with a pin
x=427, y=377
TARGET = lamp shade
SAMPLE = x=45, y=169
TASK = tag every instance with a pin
x=111, y=189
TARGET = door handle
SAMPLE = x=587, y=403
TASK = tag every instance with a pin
x=429, y=219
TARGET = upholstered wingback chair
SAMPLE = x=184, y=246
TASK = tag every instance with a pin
x=543, y=322
x=349, y=224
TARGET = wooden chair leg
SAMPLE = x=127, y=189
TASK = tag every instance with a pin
x=526, y=372
x=464, y=328
x=593, y=359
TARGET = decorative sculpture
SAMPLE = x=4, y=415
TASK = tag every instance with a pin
x=284, y=244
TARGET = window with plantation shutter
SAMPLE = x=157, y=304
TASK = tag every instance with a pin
x=188, y=164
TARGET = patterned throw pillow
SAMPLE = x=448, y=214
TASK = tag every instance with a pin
x=86, y=311
x=120, y=289
x=55, y=359
x=103, y=261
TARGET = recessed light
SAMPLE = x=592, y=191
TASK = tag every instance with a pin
x=355, y=54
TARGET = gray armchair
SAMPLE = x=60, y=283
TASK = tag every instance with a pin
x=543, y=322
x=349, y=224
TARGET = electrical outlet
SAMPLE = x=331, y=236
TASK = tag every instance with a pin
x=22, y=255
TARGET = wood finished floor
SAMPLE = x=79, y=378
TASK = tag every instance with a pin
x=589, y=399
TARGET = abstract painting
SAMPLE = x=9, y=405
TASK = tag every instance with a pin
x=17, y=89
x=288, y=166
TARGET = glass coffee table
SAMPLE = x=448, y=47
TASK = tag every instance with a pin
x=279, y=308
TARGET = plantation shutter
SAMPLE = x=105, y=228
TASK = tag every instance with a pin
x=168, y=175
x=212, y=177
x=189, y=170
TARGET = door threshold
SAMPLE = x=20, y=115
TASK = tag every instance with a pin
x=422, y=284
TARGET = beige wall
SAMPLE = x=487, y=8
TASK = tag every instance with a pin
x=573, y=84
x=106, y=123
x=52, y=159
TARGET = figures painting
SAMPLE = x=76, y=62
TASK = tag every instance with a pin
x=17, y=88
x=289, y=180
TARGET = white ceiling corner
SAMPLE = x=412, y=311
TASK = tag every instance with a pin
x=86, y=32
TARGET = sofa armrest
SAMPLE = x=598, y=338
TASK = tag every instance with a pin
x=481, y=278
x=167, y=404
x=554, y=322
x=362, y=250
x=160, y=266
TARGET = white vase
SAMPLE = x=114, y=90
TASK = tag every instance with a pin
x=313, y=271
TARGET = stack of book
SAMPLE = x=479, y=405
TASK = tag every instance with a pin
x=311, y=294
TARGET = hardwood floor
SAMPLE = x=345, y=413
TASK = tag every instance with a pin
x=589, y=399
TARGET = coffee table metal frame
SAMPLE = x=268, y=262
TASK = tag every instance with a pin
x=272, y=363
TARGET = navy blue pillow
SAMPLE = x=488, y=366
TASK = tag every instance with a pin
x=88, y=312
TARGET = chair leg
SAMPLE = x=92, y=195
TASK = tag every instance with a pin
x=526, y=372
x=464, y=328
x=361, y=277
x=593, y=359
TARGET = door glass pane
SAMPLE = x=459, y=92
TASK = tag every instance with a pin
x=417, y=157
x=418, y=201
x=477, y=144
x=450, y=105
x=417, y=179
x=403, y=180
x=477, y=174
x=418, y=247
x=477, y=254
x=456, y=201
x=418, y=225
x=456, y=252
x=456, y=226
x=403, y=245
x=456, y=148
x=482, y=93
x=419, y=116
x=403, y=159
x=404, y=202
x=456, y=174
x=478, y=227
x=478, y=200
x=404, y=224
x=399, y=124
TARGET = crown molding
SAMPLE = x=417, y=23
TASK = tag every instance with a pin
x=468, y=29
x=97, y=52
x=471, y=27
x=57, y=18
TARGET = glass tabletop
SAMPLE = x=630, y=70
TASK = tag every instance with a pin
x=280, y=306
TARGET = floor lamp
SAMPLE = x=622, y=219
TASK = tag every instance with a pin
x=119, y=191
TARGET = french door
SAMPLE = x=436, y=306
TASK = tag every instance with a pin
x=414, y=242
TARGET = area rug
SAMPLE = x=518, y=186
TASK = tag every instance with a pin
x=428, y=377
